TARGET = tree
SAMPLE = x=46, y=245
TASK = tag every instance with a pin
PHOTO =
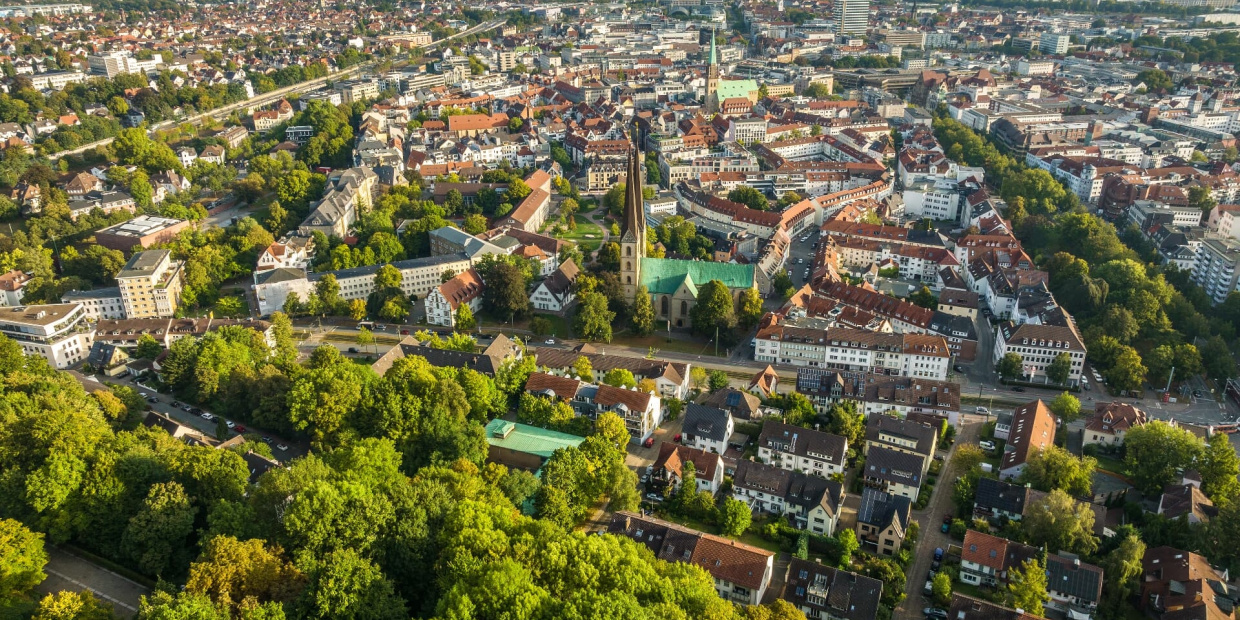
x=925, y=298
x=156, y=538
x=357, y=309
x=620, y=377
x=843, y=420
x=464, y=319
x=1121, y=567
x=750, y=197
x=474, y=224
x=941, y=587
x=70, y=605
x=232, y=572
x=1011, y=366
x=22, y=559
x=1126, y=372
x=1027, y=587
x=1060, y=523
x=583, y=370
x=1154, y=451
x=148, y=347
x=1053, y=468
x=718, y=380
x=343, y=584
x=1066, y=406
x=751, y=308
x=1059, y=368
x=365, y=337
x=848, y=544
x=968, y=457
x=593, y=318
x=504, y=295
x=734, y=517
x=698, y=378
x=714, y=311
x=1219, y=467
x=387, y=277
x=642, y=320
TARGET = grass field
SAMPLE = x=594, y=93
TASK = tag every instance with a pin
x=588, y=235
x=664, y=343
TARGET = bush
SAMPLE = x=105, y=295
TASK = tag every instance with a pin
x=540, y=326
x=802, y=551
x=958, y=529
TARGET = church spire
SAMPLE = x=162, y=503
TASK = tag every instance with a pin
x=634, y=207
x=713, y=58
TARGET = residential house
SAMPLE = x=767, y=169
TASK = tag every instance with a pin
x=893, y=471
x=965, y=607
x=985, y=559
x=707, y=428
x=1075, y=587
x=1179, y=585
x=294, y=253
x=902, y=435
x=742, y=405
x=1186, y=500
x=347, y=192
x=671, y=378
x=741, y=572
x=1110, y=422
x=13, y=287
x=669, y=465
x=801, y=449
x=555, y=293
x=642, y=411
x=826, y=593
x=812, y=503
x=444, y=300
x=997, y=500
x=1032, y=429
x=883, y=520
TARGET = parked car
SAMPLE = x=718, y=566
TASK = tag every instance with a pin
x=230, y=424
x=404, y=332
x=550, y=341
x=945, y=528
x=649, y=443
x=176, y=404
x=240, y=429
x=152, y=399
x=929, y=588
x=281, y=447
x=207, y=416
x=934, y=613
x=982, y=410
x=1197, y=393
x=266, y=439
x=987, y=445
x=654, y=497
x=1018, y=389
x=677, y=438
x=958, y=368
x=352, y=349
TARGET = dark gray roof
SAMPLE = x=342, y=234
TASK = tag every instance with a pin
x=761, y=477
x=1002, y=496
x=742, y=404
x=1065, y=573
x=280, y=274
x=879, y=508
x=836, y=593
x=893, y=466
x=804, y=442
x=923, y=434
x=411, y=263
x=707, y=422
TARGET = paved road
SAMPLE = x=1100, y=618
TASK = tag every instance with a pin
x=930, y=520
x=69, y=572
x=208, y=428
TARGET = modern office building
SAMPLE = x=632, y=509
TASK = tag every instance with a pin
x=852, y=16
x=58, y=332
x=1054, y=43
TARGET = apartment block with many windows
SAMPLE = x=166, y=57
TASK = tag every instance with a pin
x=150, y=285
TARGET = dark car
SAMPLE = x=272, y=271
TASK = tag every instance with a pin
x=958, y=368
x=176, y=404
x=1018, y=389
x=352, y=349
x=934, y=614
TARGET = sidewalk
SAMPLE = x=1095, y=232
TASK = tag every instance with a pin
x=70, y=572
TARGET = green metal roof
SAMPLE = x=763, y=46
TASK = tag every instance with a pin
x=663, y=276
x=731, y=89
x=528, y=439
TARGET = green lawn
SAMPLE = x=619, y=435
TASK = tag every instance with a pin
x=665, y=343
x=750, y=537
x=1107, y=462
x=588, y=235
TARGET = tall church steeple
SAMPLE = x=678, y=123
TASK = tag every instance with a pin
x=712, y=78
x=633, y=236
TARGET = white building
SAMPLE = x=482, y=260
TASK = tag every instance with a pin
x=272, y=288
x=100, y=303
x=813, y=342
x=57, y=332
x=1038, y=346
x=1054, y=43
x=443, y=301
x=555, y=292
x=1216, y=268
x=801, y=449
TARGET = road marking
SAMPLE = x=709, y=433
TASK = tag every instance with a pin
x=97, y=593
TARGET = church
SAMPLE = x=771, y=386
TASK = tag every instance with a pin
x=672, y=283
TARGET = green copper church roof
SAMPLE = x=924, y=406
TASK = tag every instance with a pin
x=662, y=276
x=732, y=89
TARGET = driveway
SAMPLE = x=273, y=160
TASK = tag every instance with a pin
x=929, y=520
x=70, y=572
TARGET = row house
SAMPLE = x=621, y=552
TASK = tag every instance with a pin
x=812, y=503
x=905, y=397
x=795, y=448
x=815, y=343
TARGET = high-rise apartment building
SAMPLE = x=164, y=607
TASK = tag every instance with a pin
x=150, y=285
x=1054, y=43
x=852, y=16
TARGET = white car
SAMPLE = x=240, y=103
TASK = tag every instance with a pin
x=983, y=410
x=207, y=416
x=988, y=446
x=551, y=341
x=229, y=423
x=281, y=447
